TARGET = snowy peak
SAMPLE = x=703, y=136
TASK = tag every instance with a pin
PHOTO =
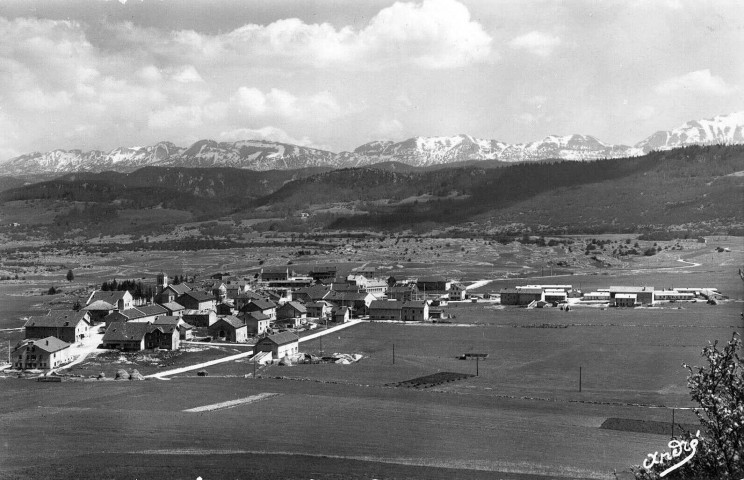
x=722, y=129
x=261, y=155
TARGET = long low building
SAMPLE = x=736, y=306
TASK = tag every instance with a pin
x=644, y=295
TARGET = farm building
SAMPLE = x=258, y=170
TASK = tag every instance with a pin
x=195, y=300
x=173, y=308
x=357, y=302
x=403, y=292
x=66, y=325
x=644, y=295
x=625, y=300
x=199, y=318
x=143, y=313
x=386, y=310
x=341, y=314
x=323, y=274
x=229, y=329
x=98, y=310
x=433, y=284
x=256, y=322
x=264, y=306
x=166, y=337
x=415, y=311
x=318, y=309
x=280, y=344
x=245, y=298
x=42, y=354
x=185, y=330
x=169, y=293
x=225, y=308
x=271, y=274
x=520, y=296
x=122, y=300
x=126, y=336
x=291, y=310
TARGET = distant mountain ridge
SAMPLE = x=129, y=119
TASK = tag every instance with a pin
x=417, y=151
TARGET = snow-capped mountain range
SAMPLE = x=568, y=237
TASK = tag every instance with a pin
x=417, y=151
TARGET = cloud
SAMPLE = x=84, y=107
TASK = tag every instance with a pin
x=390, y=128
x=269, y=133
x=537, y=43
x=699, y=81
x=645, y=112
x=281, y=103
x=433, y=34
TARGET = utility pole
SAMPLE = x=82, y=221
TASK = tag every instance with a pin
x=672, y=422
x=393, y=354
x=477, y=359
x=579, y=378
x=254, y=367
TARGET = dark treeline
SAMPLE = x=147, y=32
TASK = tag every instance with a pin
x=135, y=287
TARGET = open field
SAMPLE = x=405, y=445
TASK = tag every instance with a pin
x=522, y=416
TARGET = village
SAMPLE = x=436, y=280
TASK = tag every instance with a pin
x=273, y=312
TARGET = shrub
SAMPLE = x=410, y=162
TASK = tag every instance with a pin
x=718, y=388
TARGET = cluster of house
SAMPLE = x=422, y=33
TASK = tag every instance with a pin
x=227, y=309
x=616, y=296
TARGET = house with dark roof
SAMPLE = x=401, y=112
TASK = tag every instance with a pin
x=199, y=318
x=196, y=300
x=358, y=302
x=173, y=308
x=280, y=345
x=311, y=294
x=126, y=336
x=264, y=306
x=119, y=299
x=457, y=291
x=291, y=310
x=41, y=354
x=142, y=314
x=385, y=310
x=170, y=293
x=341, y=314
x=323, y=274
x=229, y=329
x=256, y=322
x=185, y=330
x=244, y=298
x=319, y=309
x=415, y=311
x=66, y=325
x=269, y=274
x=403, y=292
x=136, y=336
x=434, y=284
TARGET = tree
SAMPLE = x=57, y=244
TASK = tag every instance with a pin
x=70, y=276
x=718, y=388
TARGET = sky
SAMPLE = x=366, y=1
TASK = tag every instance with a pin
x=335, y=74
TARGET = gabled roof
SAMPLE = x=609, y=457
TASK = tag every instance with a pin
x=231, y=320
x=315, y=292
x=199, y=296
x=248, y=296
x=318, y=304
x=154, y=309
x=275, y=270
x=111, y=297
x=256, y=316
x=57, y=319
x=173, y=306
x=415, y=304
x=403, y=288
x=132, y=313
x=282, y=338
x=386, y=304
x=126, y=331
x=171, y=320
x=260, y=304
x=179, y=289
x=295, y=306
x=49, y=344
x=98, y=306
x=432, y=279
x=340, y=310
x=508, y=290
x=351, y=296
